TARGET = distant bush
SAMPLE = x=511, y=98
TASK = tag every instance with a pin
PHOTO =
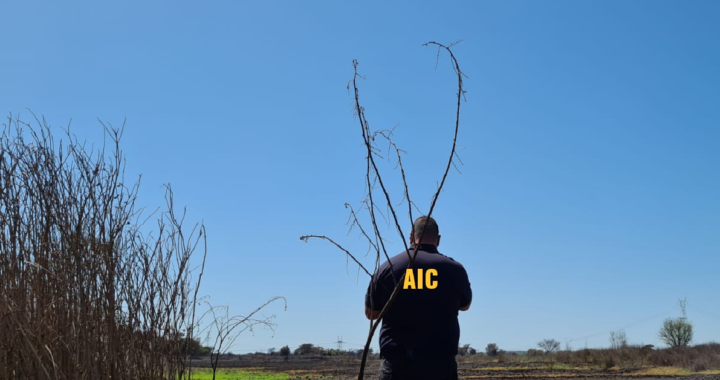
x=618, y=339
x=492, y=349
x=549, y=345
x=533, y=353
x=564, y=357
x=466, y=350
x=306, y=349
x=676, y=332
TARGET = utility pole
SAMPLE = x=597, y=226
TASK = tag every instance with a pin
x=683, y=305
x=339, y=343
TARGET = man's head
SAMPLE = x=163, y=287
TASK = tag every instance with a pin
x=427, y=229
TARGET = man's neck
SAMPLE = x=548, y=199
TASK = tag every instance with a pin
x=427, y=247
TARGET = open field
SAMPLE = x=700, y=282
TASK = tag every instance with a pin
x=251, y=367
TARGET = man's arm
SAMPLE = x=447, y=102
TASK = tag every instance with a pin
x=375, y=296
x=465, y=290
x=372, y=314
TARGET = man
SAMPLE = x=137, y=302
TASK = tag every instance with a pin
x=420, y=331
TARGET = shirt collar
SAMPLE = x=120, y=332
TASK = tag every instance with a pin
x=425, y=248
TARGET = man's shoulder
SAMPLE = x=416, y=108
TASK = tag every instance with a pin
x=401, y=258
x=452, y=261
x=447, y=259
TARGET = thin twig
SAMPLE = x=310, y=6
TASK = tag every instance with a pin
x=306, y=237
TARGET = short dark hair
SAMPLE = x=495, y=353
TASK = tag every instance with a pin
x=431, y=230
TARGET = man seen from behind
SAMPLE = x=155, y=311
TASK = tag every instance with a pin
x=420, y=332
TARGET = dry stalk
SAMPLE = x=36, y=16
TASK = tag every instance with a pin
x=224, y=330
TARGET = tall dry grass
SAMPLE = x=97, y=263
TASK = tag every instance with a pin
x=85, y=291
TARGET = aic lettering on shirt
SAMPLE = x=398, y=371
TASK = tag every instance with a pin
x=411, y=283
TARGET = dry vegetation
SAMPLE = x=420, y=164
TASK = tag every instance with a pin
x=86, y=292
x=692, y=359
x=701, y=362
x=698, y=362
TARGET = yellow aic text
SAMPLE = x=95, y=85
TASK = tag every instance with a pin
x=411, y=283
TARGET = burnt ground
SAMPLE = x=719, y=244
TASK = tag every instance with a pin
x=346, y=368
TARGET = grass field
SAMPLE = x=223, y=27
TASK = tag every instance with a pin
x=257, y=374
x=238, y=374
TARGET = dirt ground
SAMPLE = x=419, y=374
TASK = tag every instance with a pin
x=346, y=368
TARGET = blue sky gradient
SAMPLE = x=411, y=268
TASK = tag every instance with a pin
x=587, y=202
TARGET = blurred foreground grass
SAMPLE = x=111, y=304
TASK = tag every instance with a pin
x=238, y=374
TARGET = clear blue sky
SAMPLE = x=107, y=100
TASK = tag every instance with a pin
x=588, y=200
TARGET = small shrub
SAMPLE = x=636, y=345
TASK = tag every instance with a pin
x=501, y=356
x=491, y=349
x=564, y=356
x=700, y=364
x=533, y=353
x=586, y=355
x=609, y=362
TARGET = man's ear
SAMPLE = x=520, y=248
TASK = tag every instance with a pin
x=412, y=238
x=438, y=241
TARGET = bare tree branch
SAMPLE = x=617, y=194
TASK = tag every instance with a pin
x=307, y=237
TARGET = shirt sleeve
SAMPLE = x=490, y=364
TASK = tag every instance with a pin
x=376, y=296
x=464, y=287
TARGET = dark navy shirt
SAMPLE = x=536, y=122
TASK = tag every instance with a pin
x=423, y=320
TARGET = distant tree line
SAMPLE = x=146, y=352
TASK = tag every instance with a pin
x=674, y=332
x=196, y=349
x=311, y=349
